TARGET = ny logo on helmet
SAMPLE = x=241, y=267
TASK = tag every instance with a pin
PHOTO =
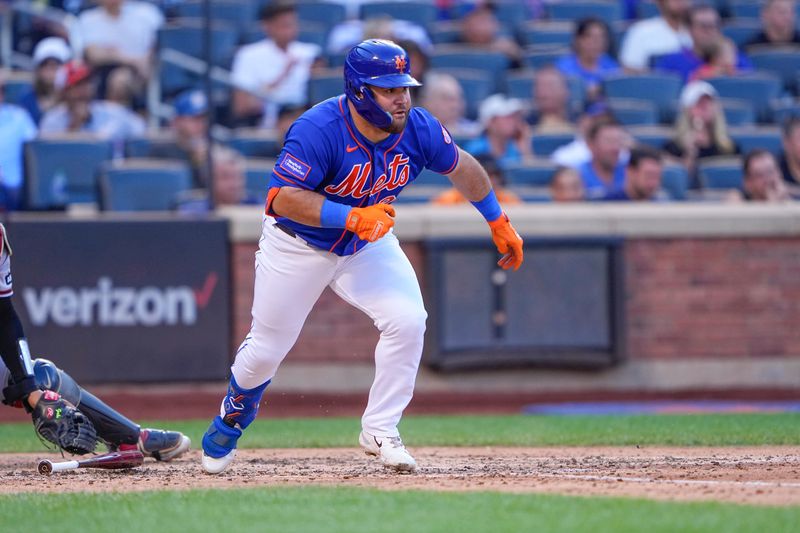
x=400, y=63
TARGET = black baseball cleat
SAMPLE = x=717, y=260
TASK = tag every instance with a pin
x=163, y=445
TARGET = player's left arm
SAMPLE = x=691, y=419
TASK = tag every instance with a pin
x=471, y=180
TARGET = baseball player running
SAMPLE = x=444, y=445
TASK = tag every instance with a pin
x=328, y=224
x=63, y=413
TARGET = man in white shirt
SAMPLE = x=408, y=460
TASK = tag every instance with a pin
x=16, y=127
x=655, y=36
x=274, y=72
x=119, y=37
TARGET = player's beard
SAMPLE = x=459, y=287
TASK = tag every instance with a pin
x=397, y=125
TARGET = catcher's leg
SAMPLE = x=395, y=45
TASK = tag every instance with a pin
x=114, y=428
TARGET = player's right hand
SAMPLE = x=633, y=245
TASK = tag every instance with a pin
x=508, y=243
x=372, y=222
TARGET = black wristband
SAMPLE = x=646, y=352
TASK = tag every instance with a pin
x=15, y=392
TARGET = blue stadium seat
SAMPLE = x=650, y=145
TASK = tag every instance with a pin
x=738, y=112
x=257, y=174
x=63, y=171
x=143, y=146
x=430, y=178
x=236, y=12
x=661, y=89
x=759, y=88
x=544, y=144
x=494, y=64
x=444, y=32
x=608, y=11
x=324, y=85
x=632, y=112
x=750, y=138
x=255, y=142
x=721, y=172
x=741, y=31
x=143, y=184
x=784, y=62
x=646, y=9
x=654, y=136
x=744, y=9
x=422, y=13
x=781, y=111
x=537, y=174
x=17, y=85
x=547, y=32
x=328, y=14
x=476, y=85
x=538, y=56
x=675, y=181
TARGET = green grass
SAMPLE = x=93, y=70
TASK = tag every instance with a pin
x=668, y=430
x=316, y=509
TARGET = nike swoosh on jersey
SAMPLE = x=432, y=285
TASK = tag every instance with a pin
x=351, y=149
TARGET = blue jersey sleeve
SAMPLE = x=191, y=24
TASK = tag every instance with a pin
x=441, y=152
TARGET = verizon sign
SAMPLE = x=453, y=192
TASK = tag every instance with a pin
x=125, y=300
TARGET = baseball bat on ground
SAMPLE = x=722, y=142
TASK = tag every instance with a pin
x=108, y=461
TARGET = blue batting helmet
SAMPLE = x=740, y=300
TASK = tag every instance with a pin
x=379, y=63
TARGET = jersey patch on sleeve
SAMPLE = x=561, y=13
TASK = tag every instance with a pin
x=294, y=167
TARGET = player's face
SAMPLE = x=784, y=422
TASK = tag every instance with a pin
x=397, y=102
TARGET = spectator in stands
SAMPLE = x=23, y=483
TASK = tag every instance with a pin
x=349, y=33
x=589, y=60
x=577, y=152
x=506, y=136
x=790, y=159
x=273, y=72
x=762, y=179
x=642, y=177
x=778, y=20
x=604, y=173
x=443, y=97
x=700, y=129
x=665, y=34
x=704, y=28
x=505, y=196
x=229, y=184
x=567, y=185
x=80, y=112
x=480, y=27
x=118, y=39
x=551, y=112
x=16, y=128
x=48, y=56
x=189, y=128
x=720, y=60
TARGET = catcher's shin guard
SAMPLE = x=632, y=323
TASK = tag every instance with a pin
x=238, y=410
x=111, y=426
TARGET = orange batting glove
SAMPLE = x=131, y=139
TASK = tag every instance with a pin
x=508, y=243
x=372, y=222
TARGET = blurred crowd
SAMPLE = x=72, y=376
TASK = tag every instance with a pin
x=563, y=101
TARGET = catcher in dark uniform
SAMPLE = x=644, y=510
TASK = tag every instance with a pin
x=63, y=413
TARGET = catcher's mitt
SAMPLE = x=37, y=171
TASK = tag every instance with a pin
x=59, y=422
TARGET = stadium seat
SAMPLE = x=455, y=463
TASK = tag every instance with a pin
x=557, y=32
x=325, y=84
x=329, y=14
x=631, y=112
x=783, y=61
x=544, y=144
x=510, y=13
x=738, y=112
x=608, y=11
x=781, y=111
x=744, y=9
x=255, y=142
x=675, y=181
x=62, y=171
x=422, y=13
x=541, y=55
x=646, y=9
x=536, y=174
x=235, y=12
x=444, y=32
x=475, y=84
x=17, y=85
x=430, y=178
x=750, y=138
x=494, y=64
x=759, y=88
x=721, y=172
x=143, y=146
x=741, y=31
x=654, y=136
x=661, y=89
x=257, y=174
x=143, y=184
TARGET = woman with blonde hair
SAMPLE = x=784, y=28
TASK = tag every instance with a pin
x=700, y=129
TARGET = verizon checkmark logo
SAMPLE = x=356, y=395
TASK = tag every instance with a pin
x=203, y=294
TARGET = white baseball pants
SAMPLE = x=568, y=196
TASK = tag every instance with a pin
x=379, y=280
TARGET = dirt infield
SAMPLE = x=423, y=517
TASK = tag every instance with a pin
x=757, y=475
